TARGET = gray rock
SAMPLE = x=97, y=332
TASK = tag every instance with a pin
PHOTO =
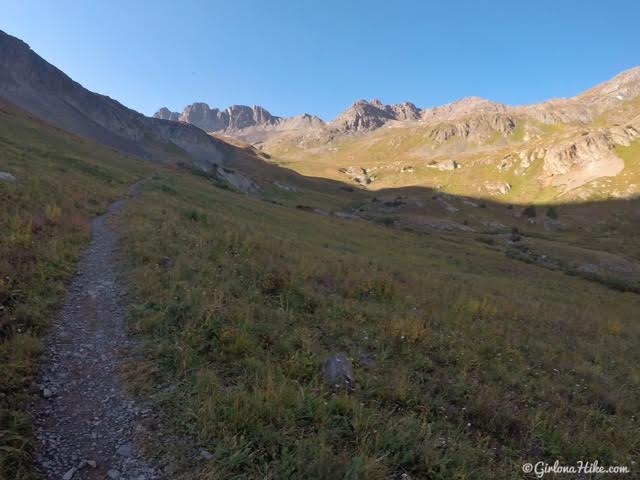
x=113, y=474
x=206, y=455
x=7, y=177
x=338, y=372
x=364, y=115
x=165, y=263
x=125, y=450
x=70, y=473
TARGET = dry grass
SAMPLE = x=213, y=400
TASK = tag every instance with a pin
x=467, y=363
x=61, y=183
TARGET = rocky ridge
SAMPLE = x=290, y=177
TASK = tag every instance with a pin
x=463, y=118
x=236, y=118
x=561, y=147
x=31, y=83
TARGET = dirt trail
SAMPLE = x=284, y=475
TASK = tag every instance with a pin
x=84, y=415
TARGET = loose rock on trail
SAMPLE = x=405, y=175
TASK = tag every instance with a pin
x=85, y=422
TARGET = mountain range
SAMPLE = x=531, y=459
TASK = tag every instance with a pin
x=566, y=148
x=366, y=115
x=572, y=148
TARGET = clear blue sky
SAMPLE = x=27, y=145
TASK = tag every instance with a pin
x=319, y=56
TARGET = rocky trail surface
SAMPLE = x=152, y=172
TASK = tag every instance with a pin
x=85, y=422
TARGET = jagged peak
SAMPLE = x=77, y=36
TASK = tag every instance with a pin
x=201, y=104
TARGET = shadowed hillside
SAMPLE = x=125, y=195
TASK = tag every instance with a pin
x=475, y=346
x=400, y=293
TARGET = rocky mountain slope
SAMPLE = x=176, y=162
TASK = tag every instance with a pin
x=29, y=82
x=587, y=146
x=555, y=148
x=576, y=148
x=366, y=115
x=239, y=121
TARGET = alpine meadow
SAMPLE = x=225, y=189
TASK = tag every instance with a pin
x=399, y=292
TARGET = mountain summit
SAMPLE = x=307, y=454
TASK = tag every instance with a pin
x=236, y=118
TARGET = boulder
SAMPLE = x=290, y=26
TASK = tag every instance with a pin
x=444, y=166
x=338, y=372
x=497, y=188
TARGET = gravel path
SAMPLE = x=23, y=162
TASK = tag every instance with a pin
x=85, y=422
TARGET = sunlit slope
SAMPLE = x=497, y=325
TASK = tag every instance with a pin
x=507, y=158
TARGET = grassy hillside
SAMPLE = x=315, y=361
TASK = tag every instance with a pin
x=472, y=352
x=468, y=361
x=62, y=181
x=405, y=155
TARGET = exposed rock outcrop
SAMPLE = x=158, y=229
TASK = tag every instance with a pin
x=364, y=115
x=497, y=188
x=236, y=118
x=478, y=128
x=238, y=181
x=363, y=176
x=165, y=114
x=573, y=162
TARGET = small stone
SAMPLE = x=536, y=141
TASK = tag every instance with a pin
x=70, y=473
x=113, y=474
x=7, y=177
x=46, y=393
x=206, y=455
x=165, y=263
x=92, y=463
x=125, y=450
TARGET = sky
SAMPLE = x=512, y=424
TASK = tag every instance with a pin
x=320, y=56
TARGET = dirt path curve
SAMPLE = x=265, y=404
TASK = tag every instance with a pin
x=85, y=422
